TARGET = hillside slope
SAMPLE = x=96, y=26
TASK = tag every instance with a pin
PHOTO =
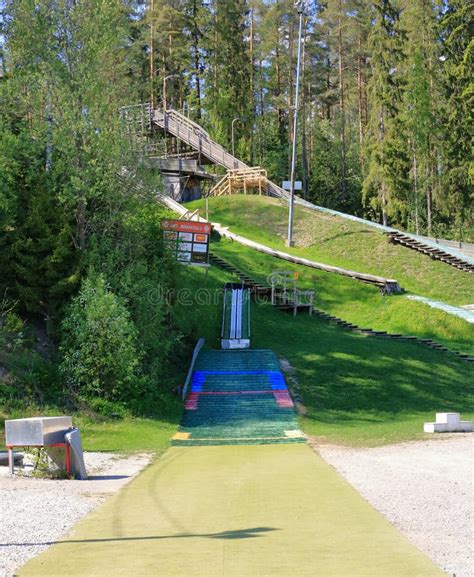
x=351, y=246
x=357, y=390
x=336, y=241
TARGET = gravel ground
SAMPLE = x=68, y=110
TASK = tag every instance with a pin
x=424, y=488
x=36, y=512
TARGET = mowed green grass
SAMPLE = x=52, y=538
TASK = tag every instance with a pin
x=344, y=297
x=98, y=433
x=360, y=390
x=340, y=242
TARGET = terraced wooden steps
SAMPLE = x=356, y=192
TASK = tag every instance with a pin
x=435, y=253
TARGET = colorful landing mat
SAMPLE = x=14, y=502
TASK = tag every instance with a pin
x=238, y=397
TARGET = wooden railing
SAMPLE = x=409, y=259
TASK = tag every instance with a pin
x=238, y=179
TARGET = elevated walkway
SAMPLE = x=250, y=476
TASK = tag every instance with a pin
x=197, y=138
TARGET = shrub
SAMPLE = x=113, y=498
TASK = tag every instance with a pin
x=100, y=356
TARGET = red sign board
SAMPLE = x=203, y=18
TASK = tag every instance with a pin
x=186, y=226
x=188, y=240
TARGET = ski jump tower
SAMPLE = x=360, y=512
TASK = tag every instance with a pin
x=181, y=163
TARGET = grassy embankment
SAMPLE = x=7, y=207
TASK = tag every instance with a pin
x=357, y=390
x=194, y=310
x=339, y=242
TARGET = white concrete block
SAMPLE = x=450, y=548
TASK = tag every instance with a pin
x=435, y=427
x=465, y=426
x=448, y=423
x=452, y=419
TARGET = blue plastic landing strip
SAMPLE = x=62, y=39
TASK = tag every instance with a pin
x=198, y=374
x=275, y=378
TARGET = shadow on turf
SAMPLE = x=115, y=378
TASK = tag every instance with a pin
x=237, y=534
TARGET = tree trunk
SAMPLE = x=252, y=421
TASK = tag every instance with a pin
x=340, y=53
x=197, y=62
x=415, y=187
x=383, y=188
x=251, y=88
x=281, y=125
x=304, y=153
x=152, y=54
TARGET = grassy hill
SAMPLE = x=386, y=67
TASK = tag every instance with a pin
x=335, y=241
x=357, y=390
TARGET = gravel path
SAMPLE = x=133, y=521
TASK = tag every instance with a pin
x=36, y=512
x=424, y=488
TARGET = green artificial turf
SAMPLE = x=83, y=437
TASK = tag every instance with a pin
x=240, y=511
x=238, y=397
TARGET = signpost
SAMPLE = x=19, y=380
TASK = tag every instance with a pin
x=286, y=185
x=188, y=240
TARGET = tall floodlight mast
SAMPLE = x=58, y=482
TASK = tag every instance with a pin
x=301, y=8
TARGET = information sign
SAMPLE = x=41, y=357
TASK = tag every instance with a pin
x=188, y=240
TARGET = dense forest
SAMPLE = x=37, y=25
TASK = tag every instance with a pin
x=385, y=132
x=386, y=119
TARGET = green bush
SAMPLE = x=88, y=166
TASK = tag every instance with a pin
x=100, y=355
x=12, y=331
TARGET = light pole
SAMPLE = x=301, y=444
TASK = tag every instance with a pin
x=300, y=6
x=232, y=128
x=188, y=108
x=164, y=88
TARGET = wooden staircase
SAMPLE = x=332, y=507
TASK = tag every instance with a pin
x=237, y=180
x=432, y=252
x=195, y=136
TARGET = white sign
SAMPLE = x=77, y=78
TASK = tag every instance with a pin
x=286, y=185
x=184, y=256
x=198, y=247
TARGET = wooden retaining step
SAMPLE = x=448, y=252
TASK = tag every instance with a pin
x=433, y=253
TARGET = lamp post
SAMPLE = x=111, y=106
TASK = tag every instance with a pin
x=232, y=128
x=188, y=108
x=164, y=88
x=300, y=7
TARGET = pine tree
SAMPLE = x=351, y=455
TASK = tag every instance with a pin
x=228, y=95
x=422, y=106
x=458, y=169
x=385, y=185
